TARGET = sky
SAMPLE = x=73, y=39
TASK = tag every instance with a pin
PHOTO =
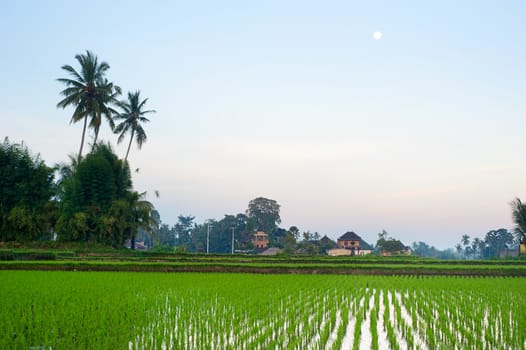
x=420, y=133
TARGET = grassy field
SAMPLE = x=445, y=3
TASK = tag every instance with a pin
x=108, y=310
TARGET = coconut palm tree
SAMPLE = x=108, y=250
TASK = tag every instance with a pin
x=519, y=218
x=107, y=101
x=142, y=218
x=65, y=171
x=89, y=92
x=132, y=116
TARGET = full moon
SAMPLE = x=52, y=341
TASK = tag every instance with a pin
x=377, y=35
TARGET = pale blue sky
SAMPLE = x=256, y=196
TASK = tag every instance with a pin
x=420, y=133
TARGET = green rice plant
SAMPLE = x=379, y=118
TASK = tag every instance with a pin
x=65, y=310
x=357, y=331
x=373, y=328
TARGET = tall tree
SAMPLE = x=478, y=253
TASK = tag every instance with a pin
x=458, y=247
x=165, y=236
x=519, y=218
x=97, y=201
x=465, y=240
x=141, y=217
x=496, y=241
x=289, y=243
x=107, y=101
x=26, y=189
x=389, y=245
x=132, y=116
x=477, y=247
x=183, y=230
x=265, y=212
x=90, y=93
x=295, y=232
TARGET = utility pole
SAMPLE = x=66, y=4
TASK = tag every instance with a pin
x=208, y=238
x=233, y=228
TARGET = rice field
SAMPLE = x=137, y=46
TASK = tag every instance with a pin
x=119, y=310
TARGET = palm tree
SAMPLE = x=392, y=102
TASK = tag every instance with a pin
x=458, y=247
x=132, y=116
x=65, y=171
x=142, y=215
x=89, y=92
x=108, y=112
x=519, y=218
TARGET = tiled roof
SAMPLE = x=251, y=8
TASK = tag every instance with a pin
x=350, y=236
x=365, y=245
x=326, y=240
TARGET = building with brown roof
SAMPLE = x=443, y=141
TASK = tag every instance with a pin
x=349, y=240
x=350, y=244
x=260, y=240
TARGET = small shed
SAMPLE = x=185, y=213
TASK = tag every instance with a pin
x=271, y=251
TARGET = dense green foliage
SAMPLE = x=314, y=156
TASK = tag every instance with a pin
x=97, y=201
x=266, y=213
x=262, y=213
x=26, y=188
x=425, y=250
x=62, y=310
x=389, y=245
x=494, y=243
x=93, y=200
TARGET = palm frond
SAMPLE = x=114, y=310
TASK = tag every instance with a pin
x=519, y=218
x=140, y=136
x=73, y=73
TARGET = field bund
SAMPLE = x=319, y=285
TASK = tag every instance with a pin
x=152, y=262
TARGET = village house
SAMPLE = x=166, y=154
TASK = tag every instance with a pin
x=350, y=244
x=349, y=240
x=260, y=240
x=322, y=245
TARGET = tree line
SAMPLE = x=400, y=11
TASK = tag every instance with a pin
x=495, y=243
x=233, y=231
